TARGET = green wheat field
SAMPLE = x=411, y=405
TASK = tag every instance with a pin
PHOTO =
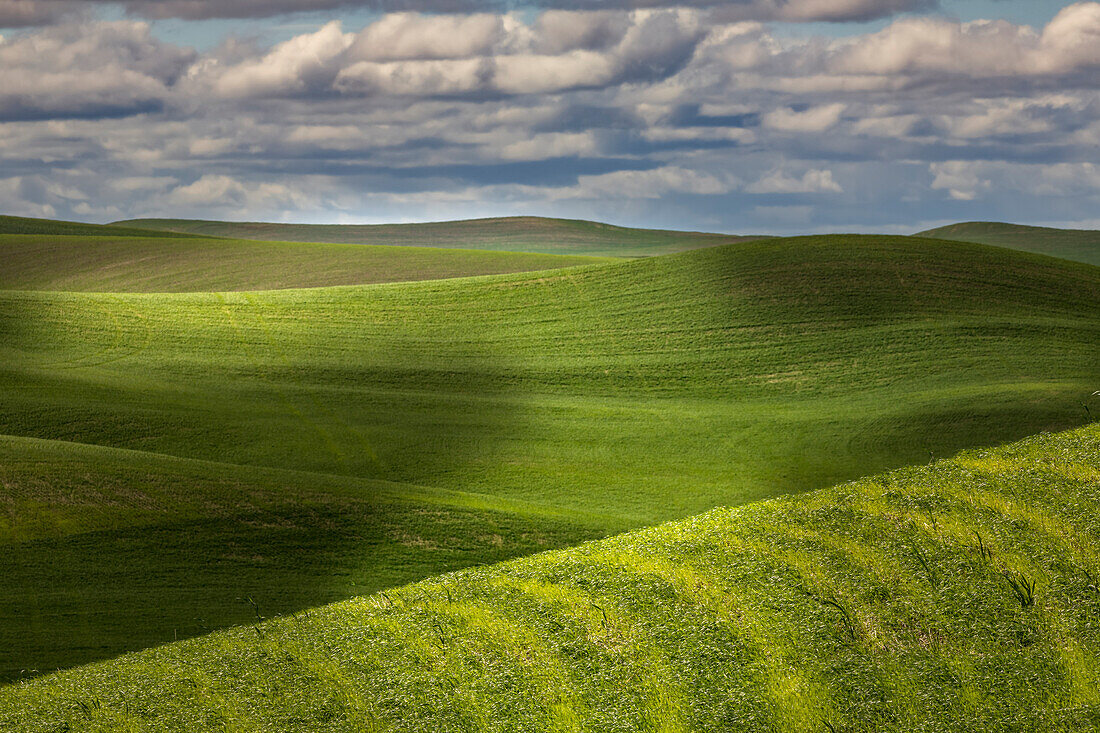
x=546, y=475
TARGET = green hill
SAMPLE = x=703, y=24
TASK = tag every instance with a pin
x=164, y=263
x=24, y=225
x=605, y=396
x=957, y=596
x=1071, y=244
x=129, y=546
x=518, y=234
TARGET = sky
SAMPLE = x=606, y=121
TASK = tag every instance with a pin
x=741, y=116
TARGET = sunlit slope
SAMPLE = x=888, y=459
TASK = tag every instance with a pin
x=161, y=263
x=104, y=551
x=1072, y=244
x=517, y=233
x=957, y=596
x=672, y=384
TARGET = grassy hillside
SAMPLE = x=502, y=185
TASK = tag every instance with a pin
x=1071, y=244
x=24, y=225
x=639, y=391
x=957, y=596
x=163, y=264
x=518, y=234
x=106, y=550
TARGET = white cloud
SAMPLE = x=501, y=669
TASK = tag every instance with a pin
x=550, y=145
x=814, y=180
x=649, y=184
x=920, y=46
x=302, y=64
x=960, y=178
x=792, y=10
x=815, y=119
x=222, y=193
x=104, y=70
x=406, y=36
x=1065, y=179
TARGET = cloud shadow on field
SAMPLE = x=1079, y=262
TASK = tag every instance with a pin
x=246, y=380
x=74, y=600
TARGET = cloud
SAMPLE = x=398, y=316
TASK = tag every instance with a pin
x=651, y=184
x=412, y=36
x=305, y=64
x=418, y=56
x=1070, y=43
x=783, y=10
x=812, y=181
x=29, y=13
x=105, y=71
x=816, y=119
x=215, y=192
x=672, y=116
x=960, y=178
x=819, y=10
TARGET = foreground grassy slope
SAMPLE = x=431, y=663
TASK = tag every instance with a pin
x=518, y=233
x=105, y=550
x=957, y=596
x=1072, y=244
x=641, y=391
x=172, y=265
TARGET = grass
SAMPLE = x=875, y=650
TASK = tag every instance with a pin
x=520, y=233
x=25, y=225
x=868, y=606
x=1071, y=244
x=108, y=550
x=164, y=263
x=605, y=396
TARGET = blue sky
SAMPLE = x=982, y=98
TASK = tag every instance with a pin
x=776, y=116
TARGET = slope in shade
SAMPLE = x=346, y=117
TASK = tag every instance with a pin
x=129, y=547
x=957, y=596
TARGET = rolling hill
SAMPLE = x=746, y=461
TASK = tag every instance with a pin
x=518, y=234
x=560, y=404
x=1072, y=244
x=166, y=264
x=957, y=596
x=25, y=225
x=181, y=546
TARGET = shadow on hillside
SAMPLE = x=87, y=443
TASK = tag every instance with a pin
x=391, y=407
x=97, y=595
